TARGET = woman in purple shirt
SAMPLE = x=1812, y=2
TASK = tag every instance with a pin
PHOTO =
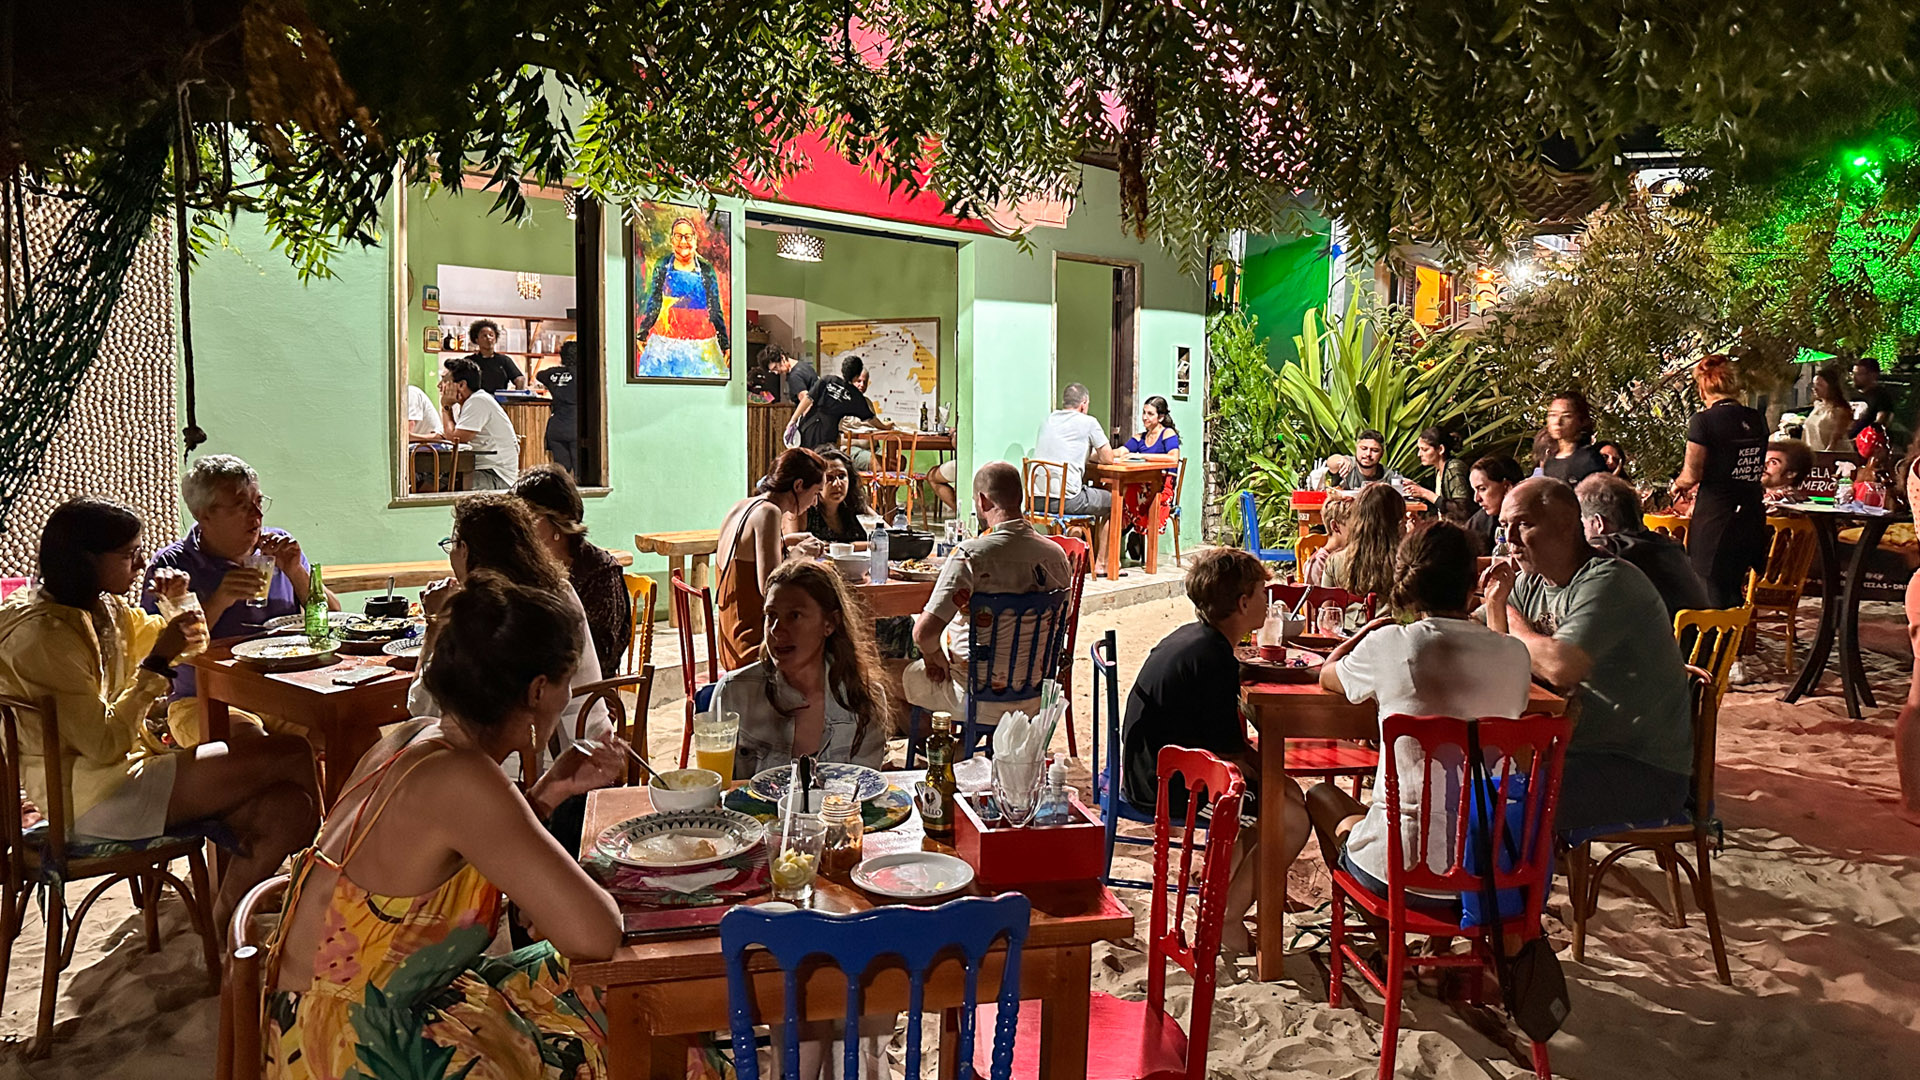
x=1157, y=436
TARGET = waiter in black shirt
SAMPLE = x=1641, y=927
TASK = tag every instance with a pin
x=497, y=370
x=563, y=424
x=832, y=398
x=796, y=376
x=1726, y=456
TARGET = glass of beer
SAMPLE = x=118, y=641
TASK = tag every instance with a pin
x=714, y=736
x=263, y=564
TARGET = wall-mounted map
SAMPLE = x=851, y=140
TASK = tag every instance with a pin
x=902, y=355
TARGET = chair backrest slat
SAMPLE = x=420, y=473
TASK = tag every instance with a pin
x=643, y=595
x=911, y=938
x=1219, y=788
x=1033, y=625
x=1710, y=639
x=684, y=597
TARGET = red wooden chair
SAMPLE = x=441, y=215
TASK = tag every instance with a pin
x=1133, y=1040
x=1533, y=747
x=684, y=596
x=1080, y=562
x=1327, y=757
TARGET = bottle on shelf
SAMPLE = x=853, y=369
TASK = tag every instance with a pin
x=936, y=807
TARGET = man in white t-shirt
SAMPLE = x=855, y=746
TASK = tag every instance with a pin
x=472, y=418
x=1442, y=664
x=1072, y=437
x=423, y=420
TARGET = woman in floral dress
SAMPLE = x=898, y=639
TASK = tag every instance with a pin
x=380, y=971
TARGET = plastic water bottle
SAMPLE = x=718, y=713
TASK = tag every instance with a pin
x=877, y=555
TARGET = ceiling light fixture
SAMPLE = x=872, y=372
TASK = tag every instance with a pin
x=801, y=247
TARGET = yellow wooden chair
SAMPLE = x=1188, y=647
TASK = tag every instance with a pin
x=1305, y=548
x=1775, y=590
x=643, y=594
x=1672, y=525
x=1710, y=640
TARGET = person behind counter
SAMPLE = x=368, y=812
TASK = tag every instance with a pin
x=751, y=545
x=472, y=418
x=563, y=422
x=497, y=370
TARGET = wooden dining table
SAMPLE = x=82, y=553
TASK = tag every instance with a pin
x=368, y=577
x=895, y=597
x=1287, y=710
x=661, y=990
x=346, y=718
x=1120, y=476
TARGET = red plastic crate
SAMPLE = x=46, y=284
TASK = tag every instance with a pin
x=1001, y=855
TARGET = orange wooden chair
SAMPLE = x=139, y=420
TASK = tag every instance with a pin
x=1774, y=592
x=684, y=597
x=643, y=594
x=893, y=470
x=1080, y=561
x=1048, y=511
x=1672, y=525
x=239, y=1055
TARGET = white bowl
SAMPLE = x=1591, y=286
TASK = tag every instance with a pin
x=852, y=568
x=699, y=796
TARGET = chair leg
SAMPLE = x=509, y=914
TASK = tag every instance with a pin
x=202, y=905
x=1390, y=1014
x=686, y=737
x=1540, y=1067
x=1579, y=863
x=1675, y=894
x=10, y=907
x=50, y=974
x=1703, y=893
x=1336, y=971
x=148, y=886
x=1793, y=635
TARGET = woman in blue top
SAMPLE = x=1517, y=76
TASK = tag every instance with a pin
x=1156, y=437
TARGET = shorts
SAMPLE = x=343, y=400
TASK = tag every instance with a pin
x=1612, y=791
x=487, y=480
x=1097, y=502
x=138, y=810
x=1436, y=906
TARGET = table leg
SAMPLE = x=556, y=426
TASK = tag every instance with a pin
x=1156, y=515
x=348, y=740
x=1826, y=532
x=633, y=1050
x=950, y=1043
x=215, y=721
x=1853, y=672
x=1272, y=900
x=675, y=564
x=1063, y=1017
x=1114, y=522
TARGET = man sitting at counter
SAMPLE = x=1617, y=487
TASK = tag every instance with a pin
x=473, y=419
x=497, y=370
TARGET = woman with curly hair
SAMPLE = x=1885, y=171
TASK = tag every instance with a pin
x=1365, y=565
x=816, y=687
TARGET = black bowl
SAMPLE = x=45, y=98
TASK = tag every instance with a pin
x=908, y=544
x=380, y=607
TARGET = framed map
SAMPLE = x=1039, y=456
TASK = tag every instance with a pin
x=902, y=357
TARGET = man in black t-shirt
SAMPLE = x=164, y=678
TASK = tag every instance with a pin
x=497, y=370
x=563, y=424
x=1878, y=398
x=796, y=377
x=1188, y=694
x=1610, y=512
x=829, y=401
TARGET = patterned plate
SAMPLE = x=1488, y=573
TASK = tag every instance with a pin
x=285, y=651
x=408, y=647
x=879, y=814
x=681, y=840
x=772, y=783
x=298, y=621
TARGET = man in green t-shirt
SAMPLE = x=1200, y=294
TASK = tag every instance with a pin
x=1596, y=627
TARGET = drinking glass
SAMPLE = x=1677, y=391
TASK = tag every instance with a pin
x=1016, y=787
x=794, y=849
x=265, y=565
x=170, y=609
x=1328, y=619
x=714, y=738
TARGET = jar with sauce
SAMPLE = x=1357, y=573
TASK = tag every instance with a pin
x=846, y=836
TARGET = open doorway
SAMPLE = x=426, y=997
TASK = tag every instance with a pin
x=1096, y=304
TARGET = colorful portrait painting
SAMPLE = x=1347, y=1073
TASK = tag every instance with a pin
x=681, y=272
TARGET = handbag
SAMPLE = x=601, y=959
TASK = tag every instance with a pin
x=1531, y=982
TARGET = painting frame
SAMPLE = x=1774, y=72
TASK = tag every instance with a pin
x=687, y=357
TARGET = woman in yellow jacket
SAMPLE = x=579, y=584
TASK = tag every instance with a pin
x=73, y=645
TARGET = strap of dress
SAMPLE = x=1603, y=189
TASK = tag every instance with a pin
x=741, y=527
x=357, y=831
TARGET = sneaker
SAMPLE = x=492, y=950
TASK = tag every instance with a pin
x=1738, y=675
x=1136, y=546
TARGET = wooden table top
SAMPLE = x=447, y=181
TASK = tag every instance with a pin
x=1069, y=913
x=372, y=577
x=1136, y=472
x=684, y=542
x=315, y=681
x=896, y=597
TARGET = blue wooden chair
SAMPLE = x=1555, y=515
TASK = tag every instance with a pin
x=1250, y=533
x=1034, y=629
x=1106, y=773
x=913, y=937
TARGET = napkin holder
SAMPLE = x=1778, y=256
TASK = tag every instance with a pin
x=1003, y=855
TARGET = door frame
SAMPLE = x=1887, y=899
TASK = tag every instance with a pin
x=1125, y=399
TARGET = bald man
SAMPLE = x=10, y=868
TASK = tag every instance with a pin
x=1010, y=557
x=1596, y=628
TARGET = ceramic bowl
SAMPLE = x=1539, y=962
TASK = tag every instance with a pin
x=852, y=568
x=702, y=790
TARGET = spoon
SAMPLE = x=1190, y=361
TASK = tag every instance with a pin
x=588, y=746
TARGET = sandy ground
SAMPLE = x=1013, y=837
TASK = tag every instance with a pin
x=1816, y=887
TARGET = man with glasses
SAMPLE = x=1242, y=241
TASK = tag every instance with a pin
x=222, y=493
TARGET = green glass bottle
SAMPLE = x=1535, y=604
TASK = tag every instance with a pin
x=937, y=813
x=316, y=610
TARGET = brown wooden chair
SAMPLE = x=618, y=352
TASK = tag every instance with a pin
x=1080, y=560
x=1664, y=841
x=1048, y=512
x=1671, y=525
x=44, y=858
x=684, y=596
x=1775, y=591
x=893, y=470
x=1305, y=547
x=644, y=595
x=240, y=1054
x=630, y=725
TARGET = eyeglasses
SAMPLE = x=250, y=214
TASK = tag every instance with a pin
x=446, y=545
x=261, y=507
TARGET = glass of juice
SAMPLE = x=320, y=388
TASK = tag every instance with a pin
x=714, y=736
x=263, y=565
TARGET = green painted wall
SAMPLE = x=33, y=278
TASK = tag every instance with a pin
x=1083, y=334
x=455, y=229
x=1283, y=278
x=865, y=277
x=298, y=379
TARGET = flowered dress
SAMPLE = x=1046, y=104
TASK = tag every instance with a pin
x=1141, y=497
x=402, y=991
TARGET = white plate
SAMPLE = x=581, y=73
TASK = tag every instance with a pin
x=770, y=784
x=913, y=875
x=728, y=831
x=406, y=647
x=284, y=651
x=894, y=570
